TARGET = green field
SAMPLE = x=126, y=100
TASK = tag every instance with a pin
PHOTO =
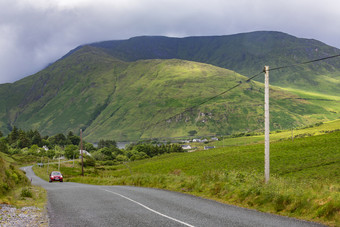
x=304, y=183
x=312, y=130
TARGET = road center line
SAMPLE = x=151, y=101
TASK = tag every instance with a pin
x=148, y=208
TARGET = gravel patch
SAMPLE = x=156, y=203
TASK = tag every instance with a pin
x=26, y=216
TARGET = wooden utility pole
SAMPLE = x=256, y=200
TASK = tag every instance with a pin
x=292, y=135
x=266, y=124
x=81, y=150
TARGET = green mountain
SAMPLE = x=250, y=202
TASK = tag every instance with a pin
x=245, y=53
x=112, y=96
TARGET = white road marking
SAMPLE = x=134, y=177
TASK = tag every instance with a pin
x=148, y=208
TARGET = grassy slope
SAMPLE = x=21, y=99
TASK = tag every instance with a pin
x=154, y=90
x=13, y=183
x=280, y=135
x=244, y=53
x=304, y=175
x=111, y=99
x=10, y=176
x=316, y=157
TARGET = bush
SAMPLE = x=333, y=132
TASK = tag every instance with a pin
x=89, y=161
x=121, y=158
x=109, y=163
x=26, y=192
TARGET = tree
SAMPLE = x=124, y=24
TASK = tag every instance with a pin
x=89, y=147
x=98, y=155
x=36, y=138
x=58, y=139
x=23, y=140
x=1, y=134
x=106, y=143
x=50, y=153
x=69, y=134
x=121, y=158
x=71, y=151
x=107, y=152
x=58, y=152
x=73, y=139
x=89, y=161
x=34, y=150
x=3, y=146
x=13, y=136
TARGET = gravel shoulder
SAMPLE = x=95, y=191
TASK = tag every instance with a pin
x=26, y=216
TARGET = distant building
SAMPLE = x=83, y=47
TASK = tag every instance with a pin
x=208, y=147
x=85, y=153
x=196, y=140
x=186, y=147
x=45, y=148
x=40, y=164
x=214, y=138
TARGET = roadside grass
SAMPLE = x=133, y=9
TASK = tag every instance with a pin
x=24, y=196
x=15, y=188
x=304, y=181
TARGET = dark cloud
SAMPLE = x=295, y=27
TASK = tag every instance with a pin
x=35, y=33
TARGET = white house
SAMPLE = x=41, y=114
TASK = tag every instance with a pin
x=45, y=148
x=85, y=153
x=186, y=147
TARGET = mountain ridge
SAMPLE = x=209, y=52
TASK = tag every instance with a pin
x=245, y=53
x=110, y=98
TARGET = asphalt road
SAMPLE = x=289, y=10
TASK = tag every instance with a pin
x=73, y=204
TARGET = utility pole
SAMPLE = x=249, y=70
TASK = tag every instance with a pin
x=81, y=150
x=292, y=135
x=59, y=163
x=266, y=124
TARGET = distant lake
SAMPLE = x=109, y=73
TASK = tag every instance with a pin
x=121, y=145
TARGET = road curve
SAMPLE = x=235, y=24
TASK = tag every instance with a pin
x=73, y=204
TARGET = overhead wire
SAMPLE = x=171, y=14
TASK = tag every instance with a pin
x=303, y=63
x=203, y=102
x=237, y=85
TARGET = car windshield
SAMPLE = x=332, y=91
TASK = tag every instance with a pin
x=55, y=173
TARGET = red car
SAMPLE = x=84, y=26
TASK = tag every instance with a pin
x=56, y=176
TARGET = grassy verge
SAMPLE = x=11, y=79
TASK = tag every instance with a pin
x=15, y=188
x=26, y=196
x=304, y=181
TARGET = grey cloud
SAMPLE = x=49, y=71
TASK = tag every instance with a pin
x=35, y=33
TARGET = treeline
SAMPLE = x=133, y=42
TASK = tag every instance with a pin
x=111, y=155
x=32, y=143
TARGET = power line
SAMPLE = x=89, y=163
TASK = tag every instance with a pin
x=203, y=102
x=306, y=62
x=311, y=99
x=237, y=85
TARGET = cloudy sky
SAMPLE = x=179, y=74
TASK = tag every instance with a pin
x=34, y=33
